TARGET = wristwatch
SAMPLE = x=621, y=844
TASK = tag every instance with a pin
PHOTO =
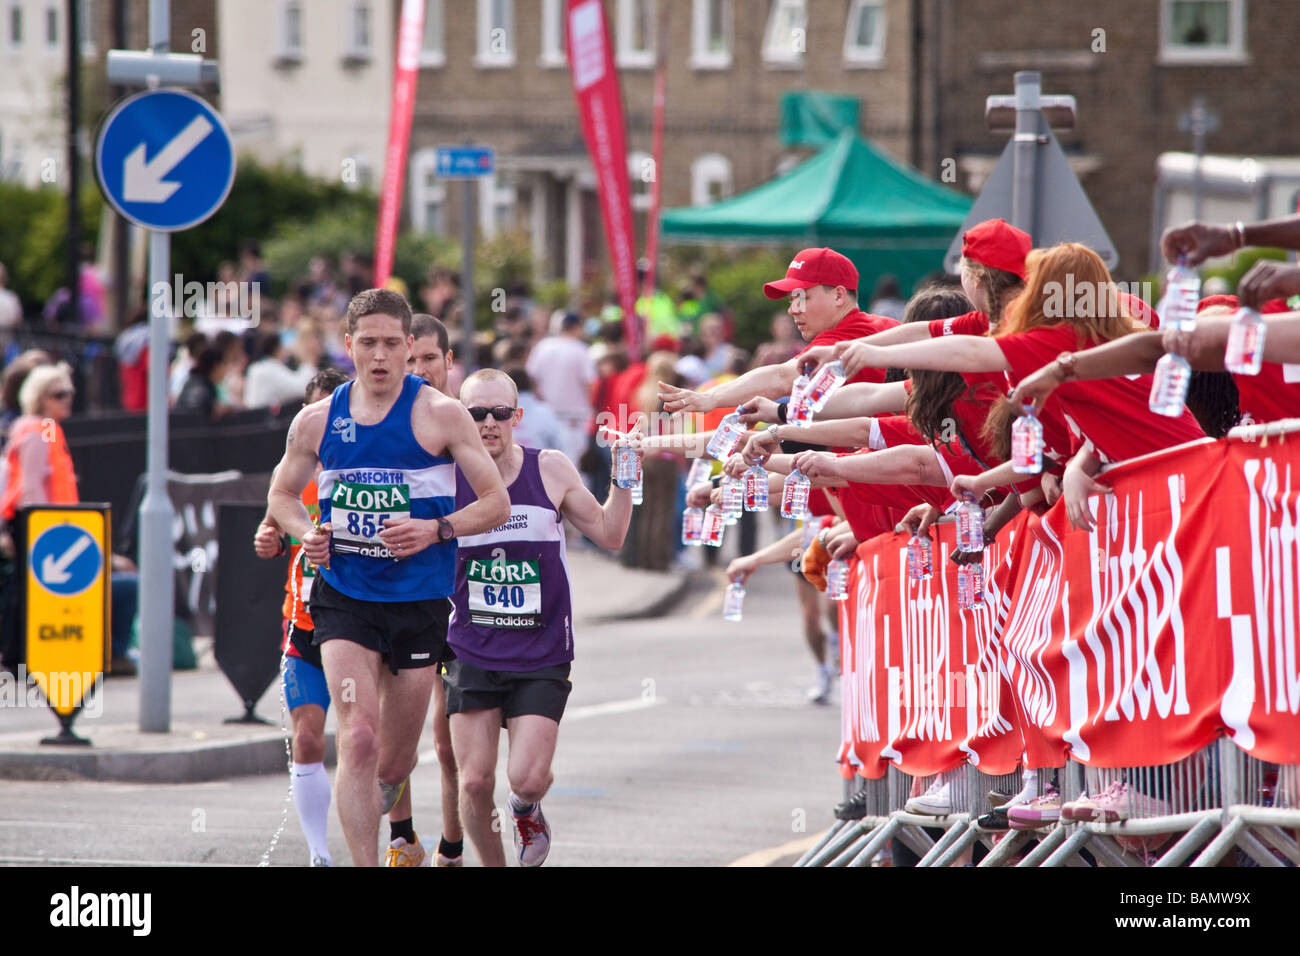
x=445, y=531
x=1065, y=363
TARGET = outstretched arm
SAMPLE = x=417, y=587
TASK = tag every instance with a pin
x=777, y=552
x=954, y=353
x=767, y=381
x=606, y=525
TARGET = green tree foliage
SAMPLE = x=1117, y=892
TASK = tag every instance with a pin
x=33, y=238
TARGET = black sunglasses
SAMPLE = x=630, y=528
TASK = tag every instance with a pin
x=499, y=412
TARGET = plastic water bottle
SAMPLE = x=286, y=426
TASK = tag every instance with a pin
x=1245, y=351
x=1169, y=385
x=826, y=381
x=970, y=525
x=799, y=412
x=920, y=563
x=693, y=527
x=1027, y=443
x=626, y=466
x=837, y=580
x=756, y=489
x=733, y=496
x=794, y=495
x=637, y=492
x=734, y=601
x=970, y=585
x=726, y=437
x=715, y=522
x=1182, y=293
x=700, y=471
x=808, y=531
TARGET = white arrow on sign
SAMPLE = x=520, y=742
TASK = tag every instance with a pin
x=55, y=571
x=143, y=182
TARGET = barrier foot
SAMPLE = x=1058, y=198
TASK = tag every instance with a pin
x=843, y=839
x=970, y=833
x=1109, y=853
x=950, y=836
x=1250, y=845
x=1006, y=847
x=1177, y=854
x=1278, y=839
x=1055, y=837
x=917, y=840
x=1073, y=844
x=878, y=838
x=1220, y=845
x=829, y=835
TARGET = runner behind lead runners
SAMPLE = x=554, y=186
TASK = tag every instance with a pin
x=305, y=692
x=512, y=631
x=385, y=443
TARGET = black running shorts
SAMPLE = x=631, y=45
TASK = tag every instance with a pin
x=406, y=634
x=518, y=693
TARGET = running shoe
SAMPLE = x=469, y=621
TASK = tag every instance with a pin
x=820, y=692
x=995, y=819
x=1038, y=813
x=318, y=860
x=532, y=838
x=935, y=802
x=389, y=794
x=440, y=860
x=998, y=798
x=401, y=853
x=1085, y=808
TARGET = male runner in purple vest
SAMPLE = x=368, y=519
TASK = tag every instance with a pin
x=512, y=624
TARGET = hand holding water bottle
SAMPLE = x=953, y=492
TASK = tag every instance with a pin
x=818, y=464
x=758, y=410
x=735, y=466
x=919, y=519
x=760, y=446
x=1268, y=279
x=741, y=568
x=857, y=354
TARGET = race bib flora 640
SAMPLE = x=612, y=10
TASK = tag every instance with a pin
x=504, y=593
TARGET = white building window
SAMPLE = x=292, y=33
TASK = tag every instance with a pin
x=711, y=31
x=86, y=27
x=433, y=50
x=496, y=205
x=496, y=34
x=14, y=25
x=640, y=174
x=864, y=35
x=553, y=13
x=51, y=28
x=1203, y=31
x=637, y=26
x=786, y=38
x=358, y=35
x=710, y=179
x=428, y=194
x=288, y=41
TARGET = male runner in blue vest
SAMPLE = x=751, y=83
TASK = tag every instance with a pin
x=388, y=446
x=512, y=629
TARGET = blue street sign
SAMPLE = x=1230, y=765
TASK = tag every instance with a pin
x=465, y=162
x=165, y=160
x=66, y=559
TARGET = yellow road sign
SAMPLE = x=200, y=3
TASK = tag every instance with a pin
x=67, y=606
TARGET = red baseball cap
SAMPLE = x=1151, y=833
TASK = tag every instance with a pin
x=1217, y=301
x=814, y=267
x=997, y=244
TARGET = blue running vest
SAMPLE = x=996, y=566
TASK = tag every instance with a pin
x=513, y=609
x=371, y=474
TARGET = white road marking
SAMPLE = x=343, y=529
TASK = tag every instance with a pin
x=772, y=854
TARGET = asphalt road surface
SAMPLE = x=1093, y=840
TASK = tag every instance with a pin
x=688, y=741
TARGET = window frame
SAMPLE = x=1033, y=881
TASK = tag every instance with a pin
x=484, y=58
x=431, y=58
x=1233, y=53
x=702, y=58
x=352, y=52
x=704, y=171
x=85, y=24
x=554, y=16
x=625, y=57
x=284, y=53
x=781, y=60
x=860, y=57
x=426, y=189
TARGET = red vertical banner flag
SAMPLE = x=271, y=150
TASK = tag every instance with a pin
x=600, y=108
x=410, y=36
x=657, y=149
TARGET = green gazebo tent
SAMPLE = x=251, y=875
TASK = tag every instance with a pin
x=883, y=215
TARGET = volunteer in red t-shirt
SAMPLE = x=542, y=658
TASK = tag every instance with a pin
x=1109, y=419
x=822, y=286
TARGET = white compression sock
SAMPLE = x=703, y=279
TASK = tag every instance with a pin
x=311, y=795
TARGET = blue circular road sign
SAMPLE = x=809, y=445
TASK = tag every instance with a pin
x=165, y=159
x=66, y=559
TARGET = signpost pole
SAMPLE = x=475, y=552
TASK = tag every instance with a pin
x=157, y=600
x=1028, y=92
x=467, y=278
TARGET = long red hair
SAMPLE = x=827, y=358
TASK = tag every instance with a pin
x=1069, y=283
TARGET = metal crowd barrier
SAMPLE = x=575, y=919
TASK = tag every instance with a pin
x=1194, y=813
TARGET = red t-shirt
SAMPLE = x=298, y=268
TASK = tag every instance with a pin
x=867, y=519
x=1112, y=412
x=1274, y=393
x=855, y=325
x=969, y=323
